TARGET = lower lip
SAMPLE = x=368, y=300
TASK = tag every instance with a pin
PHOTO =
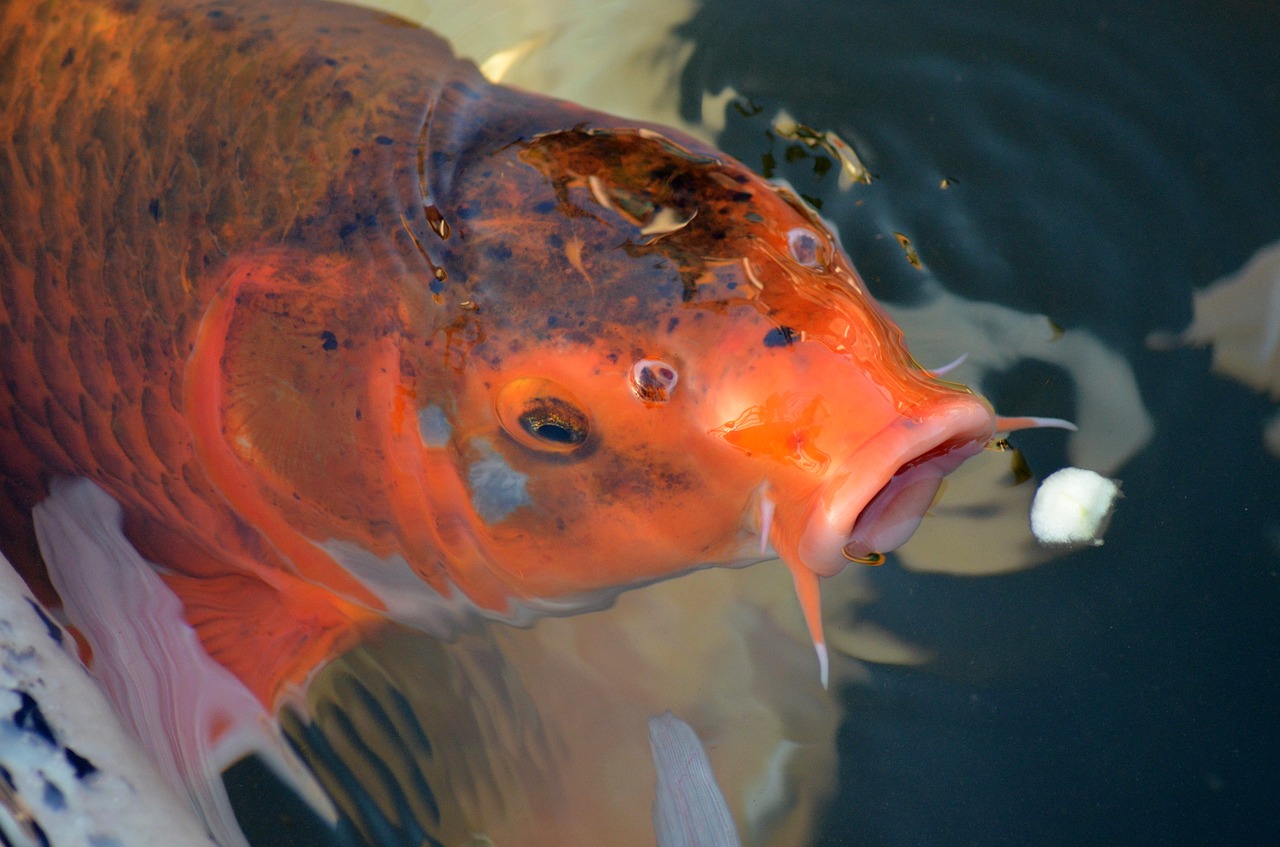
x=892, y=516
x=889, y=517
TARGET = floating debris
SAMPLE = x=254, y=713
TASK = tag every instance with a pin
x=1073, y=507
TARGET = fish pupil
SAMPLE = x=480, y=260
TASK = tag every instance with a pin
x=554, y=423
x=554, y=432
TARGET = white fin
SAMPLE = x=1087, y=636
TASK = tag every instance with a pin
x=76, y=777
x=192, y=714
x=689, y=810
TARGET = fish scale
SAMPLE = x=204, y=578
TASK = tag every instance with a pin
x=132, y=234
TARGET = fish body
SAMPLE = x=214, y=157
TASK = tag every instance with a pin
x=351, y=334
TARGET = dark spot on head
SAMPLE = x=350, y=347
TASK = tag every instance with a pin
x=358, y=414
x=384, y=140
x=731, y=284
x=466, y=213
x=154, y=209
x=555, y=241
x=333, y=63
x=346, y=229
x=498, y=252
x=328, y=340
x=220, y=21
x=29, y=718
x=69, y=56
x=741, y=196
x=82, y=766
x=689, y=290
x=435, y=285
x=779, y=336
x=672, y=324
x=370, y=221
x=552, y=320
x=355, y=151
x=55, y=631
x=545, y=206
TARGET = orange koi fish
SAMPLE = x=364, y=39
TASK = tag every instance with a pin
x=352, y=335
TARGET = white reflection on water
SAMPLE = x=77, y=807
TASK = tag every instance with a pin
x=619, y=57
x=1239, y=316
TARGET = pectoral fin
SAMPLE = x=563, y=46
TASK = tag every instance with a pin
x=190, y=712
x=689, y=810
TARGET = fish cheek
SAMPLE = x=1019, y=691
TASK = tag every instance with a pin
x=518, y=491
x=280, y=393
x=645, y=486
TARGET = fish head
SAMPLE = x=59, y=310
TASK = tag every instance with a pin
x=670, y=363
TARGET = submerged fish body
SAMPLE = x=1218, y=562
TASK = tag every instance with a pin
x=351, y=334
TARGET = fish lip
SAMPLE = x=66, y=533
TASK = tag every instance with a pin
x=907, y=459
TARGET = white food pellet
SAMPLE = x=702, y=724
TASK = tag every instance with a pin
x=1072, y=507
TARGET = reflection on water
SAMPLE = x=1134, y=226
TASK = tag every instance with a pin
x=540, y=736
x=616, y=57
x=1239, y=316
x=1100, y=163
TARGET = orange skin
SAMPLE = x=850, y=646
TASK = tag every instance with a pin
x=287, y=277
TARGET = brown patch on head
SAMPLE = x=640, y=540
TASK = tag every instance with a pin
x=598, y=231
x=639, y=478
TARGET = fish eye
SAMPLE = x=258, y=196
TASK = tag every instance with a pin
x=653, y=380
x=806, y=247
x=542, y=414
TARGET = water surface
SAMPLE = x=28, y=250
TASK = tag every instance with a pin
x=1105, y=160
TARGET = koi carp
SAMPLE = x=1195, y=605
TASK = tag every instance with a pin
x=351, y=334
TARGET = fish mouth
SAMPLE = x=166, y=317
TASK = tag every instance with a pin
x=884, y=490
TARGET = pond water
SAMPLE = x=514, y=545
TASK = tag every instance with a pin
x=1097, y=165
x=1107, y=160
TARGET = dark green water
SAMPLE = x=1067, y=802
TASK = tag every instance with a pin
x=1107, y=160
